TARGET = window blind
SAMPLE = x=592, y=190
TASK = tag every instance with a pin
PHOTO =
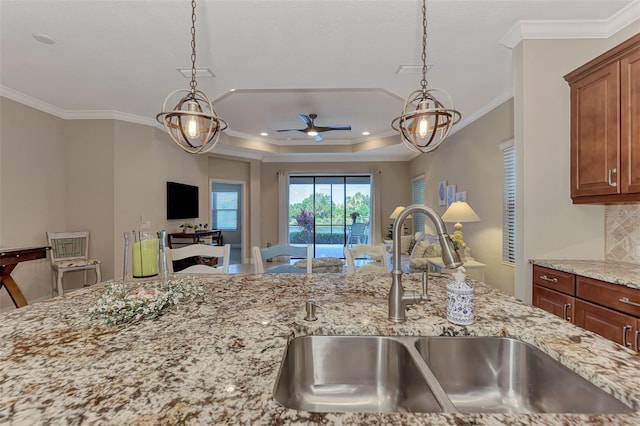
x=509, y=204
x=418, y=198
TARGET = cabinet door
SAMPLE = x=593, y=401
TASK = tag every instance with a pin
x=608, y=323
x=553, y=302
x=630, y=123
x=595, y=117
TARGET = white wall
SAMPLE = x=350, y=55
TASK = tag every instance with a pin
x=550, y=226
x=471, y=159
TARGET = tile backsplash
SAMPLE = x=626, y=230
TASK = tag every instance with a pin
x=622, y=232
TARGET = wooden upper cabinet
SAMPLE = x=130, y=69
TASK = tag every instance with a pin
x=630, y=120
x=605, y=126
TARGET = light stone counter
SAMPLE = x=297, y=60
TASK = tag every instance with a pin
x=217, y=362
x=627, y=274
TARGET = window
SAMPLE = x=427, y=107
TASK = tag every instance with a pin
x=225, y=209
x=509, y=203
x=418, y=198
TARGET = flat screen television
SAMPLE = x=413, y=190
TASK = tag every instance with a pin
x=182, y=201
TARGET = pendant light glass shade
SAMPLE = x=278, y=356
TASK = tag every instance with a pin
x=425, y=121
x=192, y=123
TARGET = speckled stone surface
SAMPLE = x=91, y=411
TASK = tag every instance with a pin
x=216, y=362
x=627, y=274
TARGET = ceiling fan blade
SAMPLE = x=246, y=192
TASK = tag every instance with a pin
x=305, y=119
x=329, y=128
x=319, y=138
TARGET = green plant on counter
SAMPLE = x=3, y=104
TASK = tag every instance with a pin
x=118, y=305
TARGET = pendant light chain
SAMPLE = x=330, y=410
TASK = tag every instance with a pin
x=192, y=123
x=425, y=121
x=193, y=46
x=423, y=82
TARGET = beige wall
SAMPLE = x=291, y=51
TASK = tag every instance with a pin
x=33, y=190
x=89, y=186
x=471, y=159
x=550, y=226
x=99, y=175
x=394, y=180
x=145, y=159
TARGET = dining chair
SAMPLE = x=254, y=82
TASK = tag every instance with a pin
x=70, y=252
x=371, y=252
x=357, y=234
x=200, y=250
x=262, y=254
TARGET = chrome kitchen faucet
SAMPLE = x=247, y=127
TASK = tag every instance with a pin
x=398, y=301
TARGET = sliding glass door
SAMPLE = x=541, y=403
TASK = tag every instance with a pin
x=323, y=210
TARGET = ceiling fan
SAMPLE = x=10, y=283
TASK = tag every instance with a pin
x=312, y=129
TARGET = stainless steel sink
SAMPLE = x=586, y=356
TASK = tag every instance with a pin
x=504, y=375
x=431, y=374
x=347, y=374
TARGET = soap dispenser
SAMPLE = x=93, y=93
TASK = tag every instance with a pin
x=460, y=299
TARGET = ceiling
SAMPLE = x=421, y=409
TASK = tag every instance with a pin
x=273, y=60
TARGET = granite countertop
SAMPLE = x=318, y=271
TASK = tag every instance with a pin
x=627, y=274
x=216, y=362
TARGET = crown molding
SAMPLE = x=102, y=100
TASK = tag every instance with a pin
x=571, y=29
x=34, y=103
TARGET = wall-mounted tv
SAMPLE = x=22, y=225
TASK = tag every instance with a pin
x=182, y=201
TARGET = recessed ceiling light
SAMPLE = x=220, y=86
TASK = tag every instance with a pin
x=411, y=69
x=365, y=133
x=200, y=72
x=43, y=38
x=264, y=134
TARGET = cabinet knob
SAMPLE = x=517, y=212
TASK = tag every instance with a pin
x=551, y=280
x=611, y=172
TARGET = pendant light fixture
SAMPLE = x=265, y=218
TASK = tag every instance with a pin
x=192, y=124
x=425, y=122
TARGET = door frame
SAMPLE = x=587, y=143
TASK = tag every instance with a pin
x=244, y=217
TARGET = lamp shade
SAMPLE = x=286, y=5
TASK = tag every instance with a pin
x=396, y=212
x=460, y=211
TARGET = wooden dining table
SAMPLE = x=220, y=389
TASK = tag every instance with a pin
x=9, y=259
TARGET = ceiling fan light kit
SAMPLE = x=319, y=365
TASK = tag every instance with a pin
x=425, y=121
x=192, y=123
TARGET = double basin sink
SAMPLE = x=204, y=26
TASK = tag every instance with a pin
x=432, y=375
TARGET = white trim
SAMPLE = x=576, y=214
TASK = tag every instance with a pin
x=29, y=101
x=244, y=219
x=571, y=29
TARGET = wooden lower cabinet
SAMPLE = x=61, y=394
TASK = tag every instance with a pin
x=616, y=326
x=554, y=302
x=610, y=310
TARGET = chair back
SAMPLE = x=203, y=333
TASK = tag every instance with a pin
x=68, y=245
x=262, y=254
x=358, y=229
x=204, y=250
x=374, y=252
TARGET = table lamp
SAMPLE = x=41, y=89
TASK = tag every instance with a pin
x=459, y=212
x=393, y=217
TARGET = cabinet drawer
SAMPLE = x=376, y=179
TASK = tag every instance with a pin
x=608, y=323
x=618, y=297
x=558, y=304
x=553, y=279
